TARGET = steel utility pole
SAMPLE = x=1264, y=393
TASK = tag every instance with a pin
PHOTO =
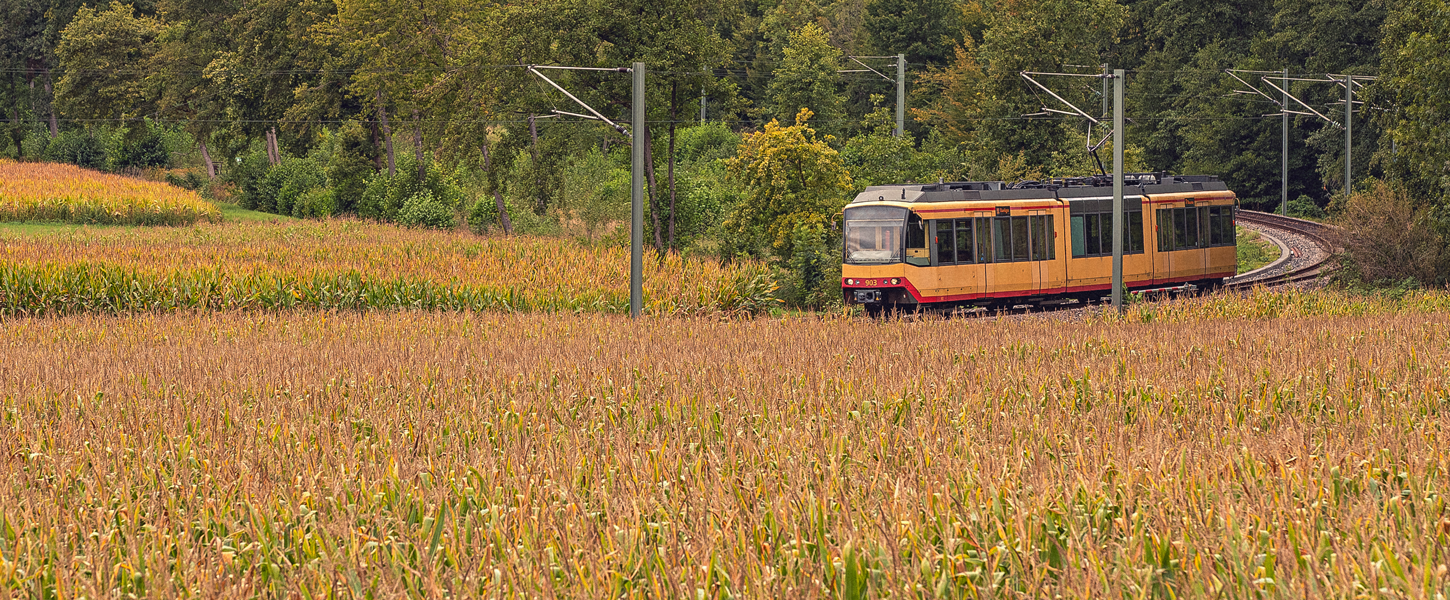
x=636, y=167
x=1107, y=90
x=900, y=82
x=1118, y=76
x=1349, y=82
x=636, y=209
x=1284, y=152
x=1348, y=135
x=900, y=95
x=1283, y=103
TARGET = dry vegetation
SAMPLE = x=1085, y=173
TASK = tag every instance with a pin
x=1390, y=238
x=349, y=264
x=486, y=454
x=59, y=192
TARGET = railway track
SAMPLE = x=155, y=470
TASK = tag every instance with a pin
x=1307, y=248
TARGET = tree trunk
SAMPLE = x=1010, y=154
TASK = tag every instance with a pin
x=377, y=156
x=503, y=210
x=206, y=158
x=671, y=170
x=387, y=135
x=274, y=157
x=50, y=96
x=654, y=204
x=34, y=110
x=418, y=148
x=15, y=131
x=542, y=194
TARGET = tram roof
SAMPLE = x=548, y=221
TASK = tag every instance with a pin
x=1060, y=187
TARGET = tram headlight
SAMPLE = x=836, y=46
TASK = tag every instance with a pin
x=850, y=282
x=895, y=281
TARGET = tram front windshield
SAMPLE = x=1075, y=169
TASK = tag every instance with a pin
x=873, y=234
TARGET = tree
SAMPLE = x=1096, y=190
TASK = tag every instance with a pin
x=878, y=157
x=261, y=71
x=807, y=78
x=29, y=33
x=794, y=180
x=104, y=55
x=980, y=96
x=1415, y=79
x=22, y=25
x=925, y=31
x=193, y=36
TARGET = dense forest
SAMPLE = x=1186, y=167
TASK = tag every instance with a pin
x=417, y=112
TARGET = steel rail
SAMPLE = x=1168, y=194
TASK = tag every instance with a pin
x=1320, y=234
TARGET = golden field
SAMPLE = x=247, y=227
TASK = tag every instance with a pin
x=429, y=454
x=60, y=192
x=350, y=265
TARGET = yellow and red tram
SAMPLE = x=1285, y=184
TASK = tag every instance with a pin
x=985, y=243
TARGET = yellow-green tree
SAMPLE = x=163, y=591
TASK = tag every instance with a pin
x=105, y=54
x=794, y=180
x=807, y=78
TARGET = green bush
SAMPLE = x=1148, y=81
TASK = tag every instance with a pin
x=483, y=214
x=81, y=148
x=706, y=193
x=191, y=180
x=146, y=149
x=596, y=192
x=706, y=142
x=249, y=175
x=350, y=164
x=384, y=196
x=811, y=278
x=1304, y=207
x=426, y=210
x=276, y=189
x=293, y=178
x=317, y=203
x=35, y=142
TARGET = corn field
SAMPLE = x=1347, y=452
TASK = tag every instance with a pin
x=489, y=454
x=60, y=192
x=351, y=265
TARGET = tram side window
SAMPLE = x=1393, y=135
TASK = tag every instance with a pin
x=984, y=239
x=964, y=241
x=1023, y=238
x=1222, y=219
x=1020, y=239
x=1195, y=227
x=1135, y=232
x=915, y=231
x=1042, y=237
x=1002, y=238
x=1092, y=234
x=917, y=252
x=945, y=246
x=955, y=242
x=1165, y=229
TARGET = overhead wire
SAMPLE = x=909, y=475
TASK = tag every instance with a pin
x=714, y=72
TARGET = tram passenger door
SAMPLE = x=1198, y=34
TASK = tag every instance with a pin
x=1205, y=233
x=1165, y=263
x=985, y=254
x=1049, y=273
